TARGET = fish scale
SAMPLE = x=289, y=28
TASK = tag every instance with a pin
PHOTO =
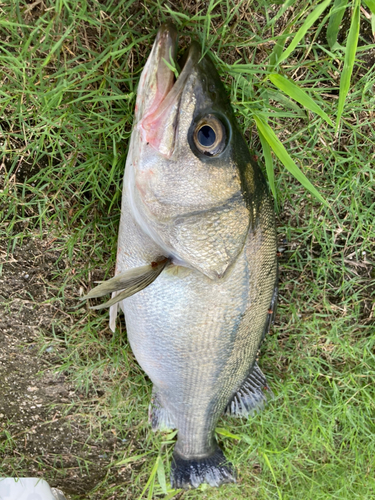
x=197, y=257
x=166, y=323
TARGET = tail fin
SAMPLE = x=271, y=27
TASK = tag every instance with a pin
x=190, y=473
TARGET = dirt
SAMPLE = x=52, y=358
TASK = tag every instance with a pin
x=37, y=435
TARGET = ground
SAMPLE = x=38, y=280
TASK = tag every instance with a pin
x=33, y=397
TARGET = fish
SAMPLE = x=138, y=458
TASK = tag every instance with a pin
x=196, y=269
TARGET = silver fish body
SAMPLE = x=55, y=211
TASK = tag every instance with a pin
x=196, y=329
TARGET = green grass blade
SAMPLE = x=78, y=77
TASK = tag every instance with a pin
x=299, y=95
x=161, y=476
x=310, y=20
x=151, y=481
x=283, y=100
x=285, y=159
x=269, y=164
x=57, y=46
x=351, y=48
x=283, y=9
x=335, y=19
x=276, y=52
x=226, y=433
x=371, y=5
x=134, y=458
x=273, y=475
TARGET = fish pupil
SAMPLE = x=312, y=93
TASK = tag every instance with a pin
x=206, y=136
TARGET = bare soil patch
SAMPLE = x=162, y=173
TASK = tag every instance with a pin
x=39, y=437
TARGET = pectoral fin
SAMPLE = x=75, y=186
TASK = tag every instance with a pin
x=130, y=282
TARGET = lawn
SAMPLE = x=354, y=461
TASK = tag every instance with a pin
x=69, y=73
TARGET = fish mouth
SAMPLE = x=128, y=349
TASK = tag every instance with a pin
x=160, y=89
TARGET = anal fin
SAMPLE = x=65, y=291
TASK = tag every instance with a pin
x=252, y=396
x=159, y=417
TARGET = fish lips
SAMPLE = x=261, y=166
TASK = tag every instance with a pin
x=159, y=92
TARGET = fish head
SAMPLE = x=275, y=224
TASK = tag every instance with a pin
x=191, y=183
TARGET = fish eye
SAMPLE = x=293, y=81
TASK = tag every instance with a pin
x=210, y=136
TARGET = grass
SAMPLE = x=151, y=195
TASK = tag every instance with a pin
x=69, y=74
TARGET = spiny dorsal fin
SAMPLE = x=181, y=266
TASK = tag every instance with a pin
x=130, y=282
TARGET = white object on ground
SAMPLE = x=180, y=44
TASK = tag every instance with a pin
x=28, y=488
